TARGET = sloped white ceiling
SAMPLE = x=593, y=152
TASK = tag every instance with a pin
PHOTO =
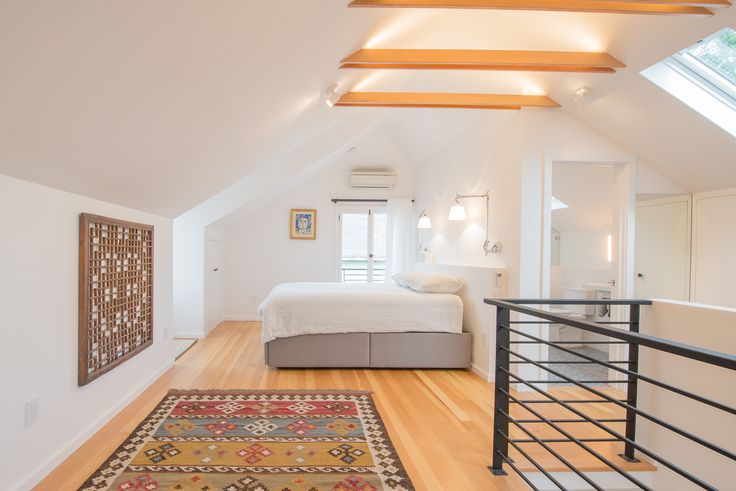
x=160, y=105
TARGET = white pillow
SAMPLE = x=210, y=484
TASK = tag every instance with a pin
x=435, y=283
x=405, y=279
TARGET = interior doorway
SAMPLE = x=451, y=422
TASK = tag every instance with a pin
x=581, y=258
x=588, y=248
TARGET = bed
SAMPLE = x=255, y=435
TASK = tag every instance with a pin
x=335, y=325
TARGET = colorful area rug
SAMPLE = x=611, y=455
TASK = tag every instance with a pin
x=257, y=441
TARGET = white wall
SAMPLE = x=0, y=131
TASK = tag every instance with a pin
x=38, y=343
x=705, y=327
x=258, y=252
x=714, y=243
x=483, y=158
x=291, y=167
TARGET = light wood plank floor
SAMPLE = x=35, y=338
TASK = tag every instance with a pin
x=439, y=420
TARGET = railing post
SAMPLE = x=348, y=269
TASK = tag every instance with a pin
x=501, y=404
x=632, y=385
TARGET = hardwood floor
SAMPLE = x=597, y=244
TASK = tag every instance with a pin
x=439, y=420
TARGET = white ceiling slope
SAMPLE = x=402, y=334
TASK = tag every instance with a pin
x=161, y=105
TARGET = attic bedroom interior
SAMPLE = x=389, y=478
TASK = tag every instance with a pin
x=368, y=245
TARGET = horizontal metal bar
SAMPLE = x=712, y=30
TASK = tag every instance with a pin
x=530, y=459
x=552, y=451
x=565, y=421
x=566, y=440
x=565, y=301
x=644, y=378
x=587, y=448
x=638, y=447
x=639, y=412
x=555, y=343
x=691, y=352
x=581, y=381
x=516, y=469
x=572, y=401
x=572, y=362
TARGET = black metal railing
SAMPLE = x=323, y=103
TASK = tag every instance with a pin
x=506, y=357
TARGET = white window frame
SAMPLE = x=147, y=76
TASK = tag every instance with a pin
x=710, y=81
x=371, y=210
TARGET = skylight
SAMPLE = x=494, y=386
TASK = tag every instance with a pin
x=703, y=76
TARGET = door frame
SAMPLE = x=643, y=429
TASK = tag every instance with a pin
x=356, y=207
x=684, y=198
x=623, y=231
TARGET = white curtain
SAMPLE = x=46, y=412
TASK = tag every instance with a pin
x=400, y=240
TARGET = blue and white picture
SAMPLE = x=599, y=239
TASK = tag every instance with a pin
x=303, y=224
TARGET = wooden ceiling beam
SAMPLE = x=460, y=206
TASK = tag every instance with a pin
x=443, y=100
x=449, y=59
x=655, y=7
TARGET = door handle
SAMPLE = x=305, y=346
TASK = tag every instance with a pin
x=640, y=275
x=216, y=269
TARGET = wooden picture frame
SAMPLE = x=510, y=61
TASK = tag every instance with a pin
x=303, y=224
x=115, y=293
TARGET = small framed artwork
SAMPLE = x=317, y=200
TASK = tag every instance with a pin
x=303, y=224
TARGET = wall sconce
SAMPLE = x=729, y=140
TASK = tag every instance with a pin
x=424, y=221
x=457, y=213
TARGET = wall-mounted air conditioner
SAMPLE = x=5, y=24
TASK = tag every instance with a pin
x=372, y=180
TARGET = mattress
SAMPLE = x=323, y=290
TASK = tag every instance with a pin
x=294, y=309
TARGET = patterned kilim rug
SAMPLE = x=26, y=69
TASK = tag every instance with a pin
x=257, y=441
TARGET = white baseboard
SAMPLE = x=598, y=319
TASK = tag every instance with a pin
x=481, y=373
x=55, y=460
x=243, y=318
x=188, y=335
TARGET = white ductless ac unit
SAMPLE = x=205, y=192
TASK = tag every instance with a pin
x=372, y=180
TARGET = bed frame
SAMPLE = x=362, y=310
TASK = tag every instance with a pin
x=371, y=350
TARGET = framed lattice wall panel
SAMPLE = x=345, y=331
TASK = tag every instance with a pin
x=115, y=293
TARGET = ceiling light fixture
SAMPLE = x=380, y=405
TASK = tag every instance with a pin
x=331, y=96
x=582, y=94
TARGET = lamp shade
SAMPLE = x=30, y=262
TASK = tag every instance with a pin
x=424, y=222
x=457, y=213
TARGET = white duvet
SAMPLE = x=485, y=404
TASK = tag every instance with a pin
x=293, y=309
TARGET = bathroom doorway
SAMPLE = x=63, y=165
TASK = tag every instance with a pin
x=584, y=230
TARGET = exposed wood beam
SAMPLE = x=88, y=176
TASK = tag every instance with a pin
x=449, y=59
x=444, y=100
x=596, y=6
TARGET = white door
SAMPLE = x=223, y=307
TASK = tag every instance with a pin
x=214, y=285
x=662, y=265
x=362, y=244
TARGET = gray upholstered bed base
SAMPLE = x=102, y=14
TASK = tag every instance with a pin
x=371, y=350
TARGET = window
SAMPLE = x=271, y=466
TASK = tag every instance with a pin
x=362, y=244
x=703, y=76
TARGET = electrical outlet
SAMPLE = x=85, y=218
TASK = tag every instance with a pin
x=166, y=333
x=32, y=411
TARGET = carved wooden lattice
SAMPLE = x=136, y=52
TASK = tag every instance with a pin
x=115, y=293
